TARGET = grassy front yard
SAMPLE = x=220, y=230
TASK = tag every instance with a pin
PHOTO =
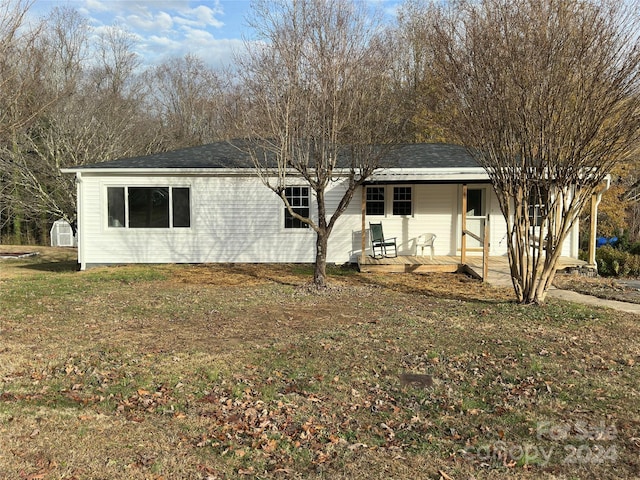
x=212, y=372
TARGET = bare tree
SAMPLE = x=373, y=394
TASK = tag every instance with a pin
x=65, y=42
x=318, y=106
x=116, y=60
x=20, y=69
x=414, y=72
x=21, y=97
x=97, y=114
x=185, y=95
x=545, y=95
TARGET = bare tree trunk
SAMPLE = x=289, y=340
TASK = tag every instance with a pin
x=320, y=267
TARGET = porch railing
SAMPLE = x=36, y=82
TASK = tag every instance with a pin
x=484, y=240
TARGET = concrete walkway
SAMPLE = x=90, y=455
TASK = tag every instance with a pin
x=500, y=277
x=594, y=301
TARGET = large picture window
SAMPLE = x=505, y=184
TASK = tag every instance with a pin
x=375, y=201
x=148, y=207
x=402, y=201
x=298, y=198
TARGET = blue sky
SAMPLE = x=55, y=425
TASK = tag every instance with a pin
x=210, y=29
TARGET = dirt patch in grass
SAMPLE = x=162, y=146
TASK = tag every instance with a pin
x=246, y=371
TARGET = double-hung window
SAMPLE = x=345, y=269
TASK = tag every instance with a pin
x=375, y=201
x=298, y=198
x=148, y=207
x=402, y=204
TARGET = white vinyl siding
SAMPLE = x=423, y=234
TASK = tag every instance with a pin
x=238, y=219
x=233, y=219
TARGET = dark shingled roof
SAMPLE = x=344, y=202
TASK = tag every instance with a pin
x=228, y=155
x=213, y=155
x=430, y=155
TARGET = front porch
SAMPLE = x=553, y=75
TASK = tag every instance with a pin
x=498, y=266
x=409, y=264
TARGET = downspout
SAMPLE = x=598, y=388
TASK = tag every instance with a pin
x=80, y=222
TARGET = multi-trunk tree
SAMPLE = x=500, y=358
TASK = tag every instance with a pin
x=545, y=94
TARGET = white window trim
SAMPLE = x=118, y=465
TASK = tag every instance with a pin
x=126, y=227
x=413, y=201
x=386, y=203
x=300, y=230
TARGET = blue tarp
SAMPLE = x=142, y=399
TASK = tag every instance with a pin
x=602, y=241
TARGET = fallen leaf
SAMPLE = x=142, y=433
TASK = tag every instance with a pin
x=444, y=476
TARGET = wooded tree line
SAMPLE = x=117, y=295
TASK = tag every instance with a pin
x=69, y=97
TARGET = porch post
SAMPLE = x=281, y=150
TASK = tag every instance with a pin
x=363, y=213
x=592, y=231
x=485, y=250
x=463, y=242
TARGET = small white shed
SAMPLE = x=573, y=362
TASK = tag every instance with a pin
x=62, y=234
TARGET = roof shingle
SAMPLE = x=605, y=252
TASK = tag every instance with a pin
x=229, y=155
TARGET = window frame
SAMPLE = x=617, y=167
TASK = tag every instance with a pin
x=396, y=201
x=126, y=225
x=294, y=223
x=381, y=188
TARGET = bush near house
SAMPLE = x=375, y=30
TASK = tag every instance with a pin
x=615, y=262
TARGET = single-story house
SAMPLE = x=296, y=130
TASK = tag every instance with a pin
x=207, y=205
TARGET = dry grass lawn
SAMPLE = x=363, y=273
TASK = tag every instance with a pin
x=245, y=371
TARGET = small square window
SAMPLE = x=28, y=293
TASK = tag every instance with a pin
x=475, y=205
x=537, y=206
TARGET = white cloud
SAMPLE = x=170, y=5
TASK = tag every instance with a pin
x=201, y=16
x=164, y=28
x=197, y=36
x=95, y=6
x=163, y=42
x=160, y=21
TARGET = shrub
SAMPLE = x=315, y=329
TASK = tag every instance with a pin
x=614, y=262
x=634, y=249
